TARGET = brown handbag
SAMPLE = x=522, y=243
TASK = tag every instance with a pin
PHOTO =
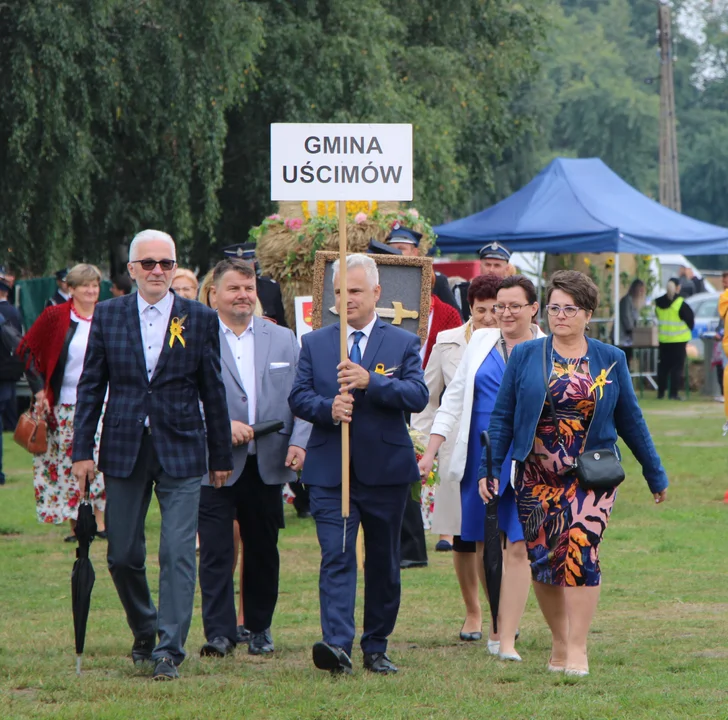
x=32, y=433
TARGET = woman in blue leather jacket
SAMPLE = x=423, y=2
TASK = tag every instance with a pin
x=594, y=401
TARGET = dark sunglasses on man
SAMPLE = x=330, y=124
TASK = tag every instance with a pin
x=149, y=264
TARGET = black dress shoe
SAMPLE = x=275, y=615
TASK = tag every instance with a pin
x=260, y=643
x=303, y=514
x=331, y=658
x=102, y=535
x=165, y=669
x=405, y=564
x=217, y=647
x=243, y=636
x=379, y=663
x=141, y=650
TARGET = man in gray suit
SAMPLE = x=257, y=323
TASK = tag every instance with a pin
x=259, y=361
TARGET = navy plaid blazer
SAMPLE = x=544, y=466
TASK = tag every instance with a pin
x=171, y=399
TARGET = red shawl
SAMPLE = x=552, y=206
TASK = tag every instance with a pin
x=444, y=317
x=43, y=343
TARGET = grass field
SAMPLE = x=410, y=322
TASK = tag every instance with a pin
x=659, y=646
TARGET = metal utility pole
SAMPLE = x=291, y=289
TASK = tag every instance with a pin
x=669, y=176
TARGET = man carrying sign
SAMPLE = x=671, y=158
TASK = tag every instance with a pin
x=382, y=380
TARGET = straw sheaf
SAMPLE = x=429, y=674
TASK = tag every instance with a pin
x=287, y=256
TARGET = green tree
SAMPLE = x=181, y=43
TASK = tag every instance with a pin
x=112, y=118
x=451, y=70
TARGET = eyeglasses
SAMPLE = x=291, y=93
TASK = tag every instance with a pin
x=514, y=308
x=149, y=264
x=569, y=311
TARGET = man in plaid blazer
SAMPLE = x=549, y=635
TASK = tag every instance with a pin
x=159, y=356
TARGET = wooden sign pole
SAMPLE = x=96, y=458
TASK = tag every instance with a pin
x=344, y=355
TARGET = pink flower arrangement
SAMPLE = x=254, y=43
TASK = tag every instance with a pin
x=294, y=224
x=274, y=216
x=413, y=213
x=360, y=218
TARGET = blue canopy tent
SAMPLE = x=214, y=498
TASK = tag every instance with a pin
x=580, y=206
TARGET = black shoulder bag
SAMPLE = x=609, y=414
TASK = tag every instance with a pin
x=595, y=469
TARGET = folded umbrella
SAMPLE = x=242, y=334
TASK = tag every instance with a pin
x=493, y=551
x=82, y=576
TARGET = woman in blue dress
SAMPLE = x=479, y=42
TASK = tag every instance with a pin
x=470, y=399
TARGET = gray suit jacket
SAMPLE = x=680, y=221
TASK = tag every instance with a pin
x=276, y=359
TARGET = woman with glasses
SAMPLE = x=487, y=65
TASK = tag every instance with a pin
x=463, y=414
x=591, y=396
x=185, y=283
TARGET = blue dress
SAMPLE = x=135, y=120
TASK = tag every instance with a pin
x=487, y=383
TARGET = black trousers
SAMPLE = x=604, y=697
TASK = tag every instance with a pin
x=259, y=510
x=413, y=545
x=670, y=367
x=301, y=501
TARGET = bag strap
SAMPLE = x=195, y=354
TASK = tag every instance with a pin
x=552, y=401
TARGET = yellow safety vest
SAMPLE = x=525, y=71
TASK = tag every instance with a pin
x=670, y=328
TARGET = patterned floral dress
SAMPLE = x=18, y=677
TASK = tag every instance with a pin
x=563, y=524
x=57, y=496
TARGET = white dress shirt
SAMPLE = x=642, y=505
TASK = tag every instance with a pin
x=74, y=362
x=154, y=321
x=243, y=349
x=364, y=340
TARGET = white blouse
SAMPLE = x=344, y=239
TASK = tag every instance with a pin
x=74, y=363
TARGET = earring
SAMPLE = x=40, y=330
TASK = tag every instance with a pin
x=588, y=327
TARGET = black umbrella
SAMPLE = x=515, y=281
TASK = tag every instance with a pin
x=83, y=575
x=493, y=552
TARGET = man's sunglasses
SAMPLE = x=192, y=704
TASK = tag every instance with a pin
x=149, y=264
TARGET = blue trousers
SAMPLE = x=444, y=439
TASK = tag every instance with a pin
x=379, y=509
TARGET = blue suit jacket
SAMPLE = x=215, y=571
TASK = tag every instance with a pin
x=171, y=400
x=521, y=400
x=381, y=449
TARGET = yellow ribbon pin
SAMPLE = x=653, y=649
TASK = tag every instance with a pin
x=379, y=369
x=175, y=331
x=601, y=381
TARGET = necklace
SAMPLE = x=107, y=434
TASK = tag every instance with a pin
x=78, y=314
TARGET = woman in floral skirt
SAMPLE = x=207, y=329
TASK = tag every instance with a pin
x=56, y=343
x=589, y=385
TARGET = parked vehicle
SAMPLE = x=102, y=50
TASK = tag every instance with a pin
x=707, y=320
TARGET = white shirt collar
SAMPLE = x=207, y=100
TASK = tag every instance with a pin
x=162, y=305
x=367, y=329
x=227, y=330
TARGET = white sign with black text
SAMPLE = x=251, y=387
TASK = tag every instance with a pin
x=311, y=161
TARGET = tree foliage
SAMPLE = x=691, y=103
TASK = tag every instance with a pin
x=113, y=118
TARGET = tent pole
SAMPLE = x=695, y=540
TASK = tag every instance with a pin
x=616, y=298
x=539, y=268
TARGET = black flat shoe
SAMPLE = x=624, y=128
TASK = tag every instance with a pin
x=102, y=535
x=443, y=546
x=379, y=663
x=331, y=658
x=70, y=538
x=217, y=647
x=471, y=636
x=406, y=564
x=260, y=643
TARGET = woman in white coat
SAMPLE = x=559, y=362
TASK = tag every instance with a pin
x=464, y=413
x=439, y=373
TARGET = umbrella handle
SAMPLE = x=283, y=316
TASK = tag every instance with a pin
x=485, y=442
